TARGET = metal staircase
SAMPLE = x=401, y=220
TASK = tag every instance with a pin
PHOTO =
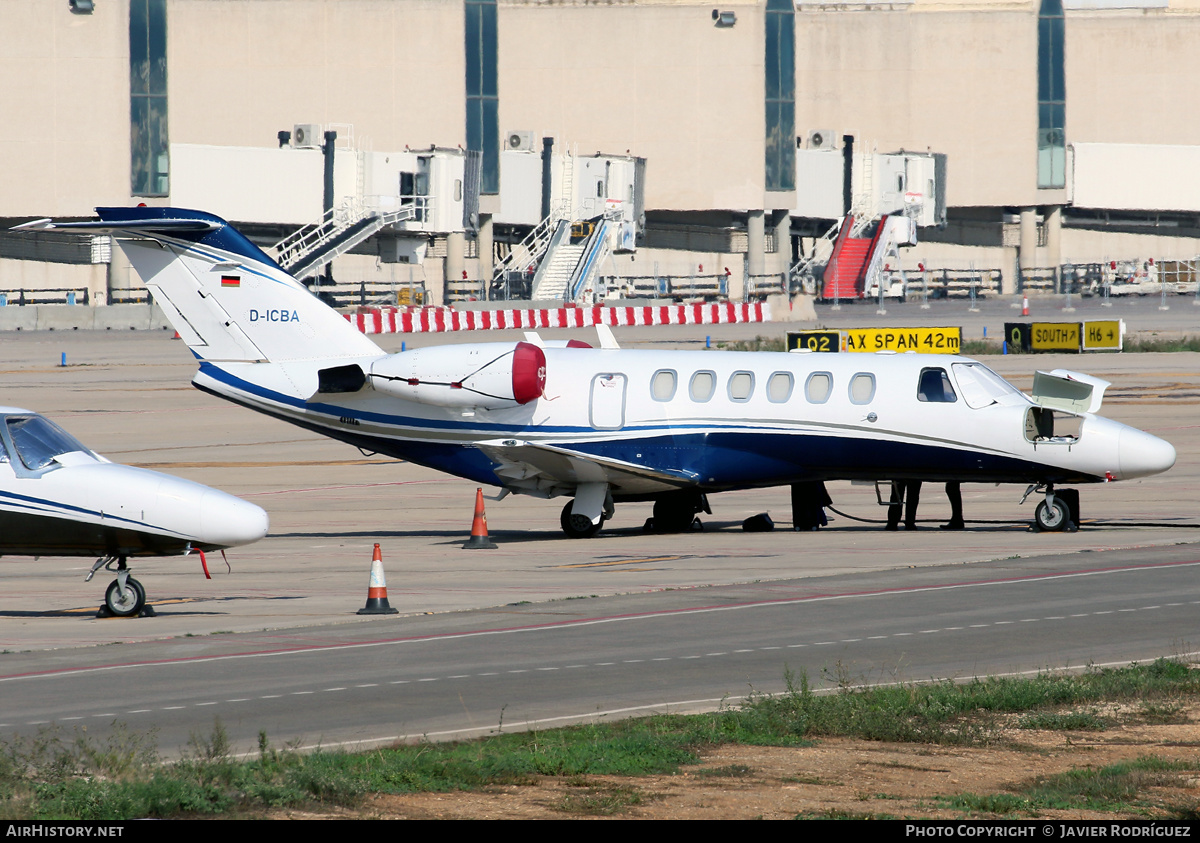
x=340, y=229
x=573, y=258
x=554, y=275
x=527, y=254
x=802, y=274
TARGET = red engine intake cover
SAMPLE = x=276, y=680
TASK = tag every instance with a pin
x=528, y=372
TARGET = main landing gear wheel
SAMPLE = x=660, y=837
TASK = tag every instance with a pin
x=578, y=526
x=1052, y=517
x=126, y=603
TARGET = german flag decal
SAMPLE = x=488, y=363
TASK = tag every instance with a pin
x=231, y=280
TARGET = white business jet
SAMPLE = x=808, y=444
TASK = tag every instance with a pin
x=605, y=425
x=57, y=498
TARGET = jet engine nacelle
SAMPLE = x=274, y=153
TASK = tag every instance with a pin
x=488, y=375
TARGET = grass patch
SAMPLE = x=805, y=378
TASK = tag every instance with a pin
x=1116, y=787
x=1123, y=787
x=1071, y=721
x=601, y=799
x=66, y=775
x=1154, y=342
x=837, y=814
x=994, y=803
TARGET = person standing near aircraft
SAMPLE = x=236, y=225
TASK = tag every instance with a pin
x=908, y=494
x=954, y=493
x=809, y=500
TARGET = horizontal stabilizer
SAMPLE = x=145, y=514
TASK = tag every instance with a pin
x=228, y=299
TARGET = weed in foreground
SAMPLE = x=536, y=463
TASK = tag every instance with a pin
x=600, y=799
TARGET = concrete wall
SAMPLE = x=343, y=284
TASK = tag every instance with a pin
x=241, y=71
x=1151, y=177
x=40, y=275
x=256, y=184
x=657, y=79
x=959, y=82
x=65, y=100
x=61, y=317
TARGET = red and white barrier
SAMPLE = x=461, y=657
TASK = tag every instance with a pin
x=419, y=320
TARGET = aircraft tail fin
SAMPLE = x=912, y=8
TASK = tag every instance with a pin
x=227, y=298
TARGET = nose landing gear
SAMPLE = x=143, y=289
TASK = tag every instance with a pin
x=1058, y=513
x=125, y=596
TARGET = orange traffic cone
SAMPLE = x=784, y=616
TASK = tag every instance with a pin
x=479, y=535
x=377, y=602
x=1025, y=305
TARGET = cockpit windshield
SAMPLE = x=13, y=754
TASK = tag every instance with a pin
x=980, y=386
x=38, y=440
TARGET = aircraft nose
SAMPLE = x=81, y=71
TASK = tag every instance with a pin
x=230, y=521
x=1140, y=454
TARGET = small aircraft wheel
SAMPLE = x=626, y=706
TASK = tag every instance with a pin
x=578, y=526
x=1052, y=518
x=127, y=604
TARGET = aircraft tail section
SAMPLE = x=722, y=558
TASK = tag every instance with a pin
x=227, y=298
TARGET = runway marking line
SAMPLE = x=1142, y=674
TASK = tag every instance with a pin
x=566, y=624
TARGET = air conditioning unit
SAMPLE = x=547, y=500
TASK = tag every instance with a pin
x=519, y=140
x=822, y=139
x=307, y=135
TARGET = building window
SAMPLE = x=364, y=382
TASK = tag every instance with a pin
x=483, y=100
x=149, y=146
x=1052, y=97
x=780, y=61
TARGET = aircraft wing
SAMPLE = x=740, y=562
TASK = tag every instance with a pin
x=540, y=469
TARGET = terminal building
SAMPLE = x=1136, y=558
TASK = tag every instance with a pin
x=430, y=151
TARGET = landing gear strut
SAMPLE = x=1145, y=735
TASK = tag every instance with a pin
x=125, y=597
x=578, y=526
x=1053, y=515
x=591, y=500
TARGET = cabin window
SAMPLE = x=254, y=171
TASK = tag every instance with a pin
x=779, y=387
x=741, y=386
x=662, y=385
x=934, y=386
x=703, y=385
x=862, y=388
x=818, y=387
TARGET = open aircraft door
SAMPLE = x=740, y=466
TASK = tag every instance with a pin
x=1061, y=397
x=1070, y=391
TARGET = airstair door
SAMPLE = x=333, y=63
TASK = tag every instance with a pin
x=607, y=410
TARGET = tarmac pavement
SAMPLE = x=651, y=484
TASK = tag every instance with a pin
x=127, y=395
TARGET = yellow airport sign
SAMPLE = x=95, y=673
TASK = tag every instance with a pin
x=920, y=340
x=1103, y=335
x=1055, y=336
